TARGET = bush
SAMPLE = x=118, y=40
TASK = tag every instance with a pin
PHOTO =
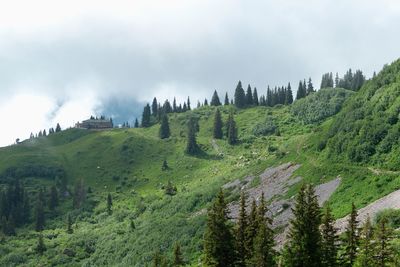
x=266, y=128
x=392, y=215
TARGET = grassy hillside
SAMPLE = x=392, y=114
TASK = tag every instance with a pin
x=127, y=163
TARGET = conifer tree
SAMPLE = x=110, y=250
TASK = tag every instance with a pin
x=366, y=252
x=40, y=248
x=164, y=131
x=136, y=125
x=69, y=224
x=146, y=116
x=198, y=104
x=240, y=98
x=383, y=251
x=58, y=128
x=288, y=95
x=109, y=204
x=188, y=104
x=251, y=230
x=249, y=96
x=53, y=201
x=40, y=219
x=164, y=166
x=154, y=107
x=192, y=147
x=215, y=99
x=241, y=231
x=174, y=107
x=178, y=258
x=226, y=102
x=351, y=240
x=301, y=92
x=304, y=245
x=218, y=239
x=255, y=97
x=329, y=239
x=205, y=102
x=218, y=134
x=231, y=130
x=310, y=87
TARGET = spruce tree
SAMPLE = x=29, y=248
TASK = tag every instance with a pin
x=231, y=130
x=192, y=147
x=164, y=131
x=310, y=87
x=188, y=104
x=69, y=224
x=240, y=98
x=383, y=250
x=241, y=231
x=174, y=107
x=205, y=102
x=251, y=230
x=218, y=134
x=136, y=125
x=146, y=116
x=215, y=99
x=226, y=102
x=329, y=239
x=178, y=258
x=255, y=97
x=351, y=240
x=288, y=95
x=304, y=244
x=154, y=107
x=53, y=201
x=218, y=239
x=109, y=204
x=58, y=128
x=366, y=252
x=301, y=91
x=40, y=248
x=249, y=96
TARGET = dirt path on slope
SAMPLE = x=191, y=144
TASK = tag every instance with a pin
x=389, y=201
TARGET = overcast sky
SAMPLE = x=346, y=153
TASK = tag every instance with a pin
x=61, y=61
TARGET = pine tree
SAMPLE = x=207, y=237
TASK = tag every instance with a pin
x=218, y=239
x=304, y=245
x=174, y=108
x=241, y=230
x=301, y=92
x=215, y=99
x=136, y=125
x=218, y=134
x=69, y=225
x=383, y=250
x=329, y=239
x=40, y=248
x=154, y=107
x=310, y=87
x=58, y=128
x=251, y=230
x=263, y=252
x=164, y=166
x=53, y=201
x=178, y=258
x=109, y=204
x=164, y=131
x=40, y=219
x=249, y=96
x=351, y=240
x=366, y=252
x=146, y=116
x=205, y=102
x=226, y=102
x=188, y=104
x=255, y=97
x=192, y=147
x=231, y=130
x=289, y=95
x=240, y=98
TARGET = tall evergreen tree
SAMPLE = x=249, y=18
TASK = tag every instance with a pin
x=109, y=204
x=188, y=104
x=167, y=107
x=329, y=239
x=366, y=252
x=383, y=250
x=310, y=87
x=205, y=102
x=53, y=201
x=255, y=97
x=218, y=134
x=351, y=240
x=154, y=107
x=136, y=125
x=164, y=131
x=241, y=231
x=301, y=92
x=58, y=128
x=215, y=99
x=178, y=258
x=289, y=95
x=146, y=116
x=226, y=102
x=231, y=130
x=218, y=239
x=240, y=97
x=192, y=147
x=251, y=230
x=304, y=245
x=249, y=96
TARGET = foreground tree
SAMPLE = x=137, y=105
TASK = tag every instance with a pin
x=218, y=239
x=304, y=245
x=251, y=230
x=164, y=128
x=383, y=251
x=329, y=239
x=351, y=240
x=218, y=134
x=241, y=231
x=366, y=252
x=178, y=258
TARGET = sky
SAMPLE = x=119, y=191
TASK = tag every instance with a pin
x=62, y=61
